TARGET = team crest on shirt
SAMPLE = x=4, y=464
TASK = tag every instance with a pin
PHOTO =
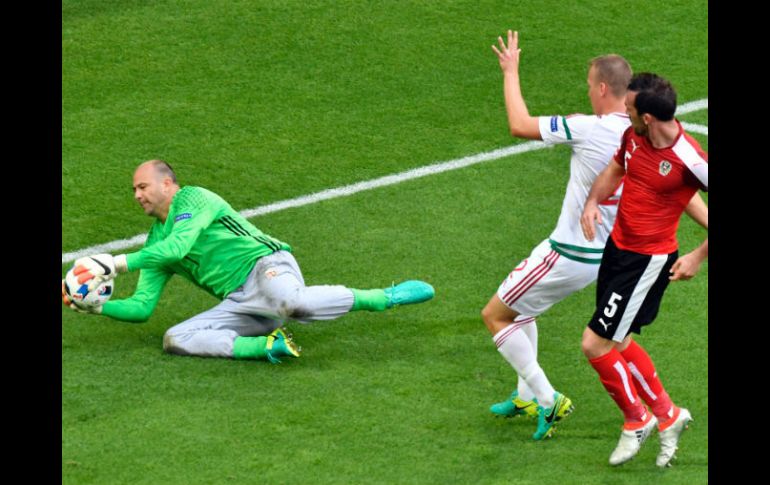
x=664, y=168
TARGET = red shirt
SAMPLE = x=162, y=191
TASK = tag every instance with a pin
x=658, y=185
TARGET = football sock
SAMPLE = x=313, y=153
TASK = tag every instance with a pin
x=670, y=418
x=530, y=329
x=372, y=300
x=516, y=348
x=615, y=376
x=647, y=383
x=525, y=393
x=634, y=425
x=250, y=348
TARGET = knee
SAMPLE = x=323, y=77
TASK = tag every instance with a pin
x=486, y=314
x=294, y=305
x=594, y=346
x=170, y=342
x=494, y=319
x=284, y=307
x=587, y=347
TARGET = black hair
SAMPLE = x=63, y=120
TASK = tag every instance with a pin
x=655, y=95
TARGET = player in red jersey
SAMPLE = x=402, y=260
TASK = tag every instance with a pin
x=663, y=167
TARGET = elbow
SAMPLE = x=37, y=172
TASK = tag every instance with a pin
x=138, y=317
x=141, y=318
x=144, y=313
x=140, y=314
x=133, y=310
x=516, y=131
x=526, y=128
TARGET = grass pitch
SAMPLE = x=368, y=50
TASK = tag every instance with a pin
x=264, y=101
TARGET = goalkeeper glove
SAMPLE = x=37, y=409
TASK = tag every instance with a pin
x=98, y=268
x=97, y=309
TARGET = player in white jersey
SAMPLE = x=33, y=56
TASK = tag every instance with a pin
x=565, y=262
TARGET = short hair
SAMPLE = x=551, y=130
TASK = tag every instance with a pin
x=614, y=71
x=164, y=169
x=655, y=95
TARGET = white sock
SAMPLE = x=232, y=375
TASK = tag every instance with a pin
x=525, y=393
x=516, y=348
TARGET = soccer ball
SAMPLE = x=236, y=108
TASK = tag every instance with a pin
x=78, y=293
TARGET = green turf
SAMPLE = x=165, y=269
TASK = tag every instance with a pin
x=700, y=117
x=264, y=101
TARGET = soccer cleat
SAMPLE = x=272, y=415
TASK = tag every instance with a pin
x=547, y=417
x=631, y=441
x=408, y=292
x=669, y=438
x=514, y=406
x=280, y=344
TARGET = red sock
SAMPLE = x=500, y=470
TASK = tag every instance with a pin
x=616, y=378
x=647, y=382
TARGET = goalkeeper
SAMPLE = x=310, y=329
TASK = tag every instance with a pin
x=200, y=237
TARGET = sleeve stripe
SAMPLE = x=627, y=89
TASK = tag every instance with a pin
x=566, y=128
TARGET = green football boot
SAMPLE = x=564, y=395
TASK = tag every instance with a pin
x=514, y=406
x=280, y=344
x=547, y=417
x=408, y=292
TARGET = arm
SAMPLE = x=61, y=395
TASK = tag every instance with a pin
x=102, y=267
x=173, y=248
x=194, y=212
x=686, y=266
x=141, y=304
x=603, y=187
x=698, y=210
x=521, y=124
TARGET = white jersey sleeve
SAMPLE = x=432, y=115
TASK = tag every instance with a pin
x=697, y=165
x=566, y=129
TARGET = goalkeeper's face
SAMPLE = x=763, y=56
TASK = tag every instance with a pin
x=153, y=191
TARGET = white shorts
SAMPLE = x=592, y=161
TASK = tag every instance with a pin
x=542, y=279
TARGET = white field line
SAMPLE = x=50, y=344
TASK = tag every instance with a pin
x=692, y=106
x=346, y=190
x=694, y=128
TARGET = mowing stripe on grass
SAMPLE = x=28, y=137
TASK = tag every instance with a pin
x=346, y=190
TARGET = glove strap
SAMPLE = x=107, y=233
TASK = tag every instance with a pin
x=121, y=264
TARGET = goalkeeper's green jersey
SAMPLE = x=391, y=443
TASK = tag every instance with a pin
x=205, y=241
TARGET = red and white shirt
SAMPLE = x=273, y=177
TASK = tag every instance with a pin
x=658, y=185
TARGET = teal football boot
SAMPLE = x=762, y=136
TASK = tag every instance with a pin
x=409, y=292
